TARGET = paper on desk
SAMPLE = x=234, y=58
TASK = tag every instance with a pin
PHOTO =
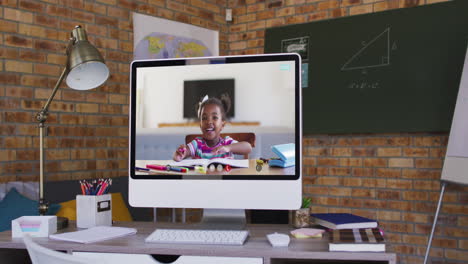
x=95, y=234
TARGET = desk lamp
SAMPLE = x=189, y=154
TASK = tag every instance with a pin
x=85, y=69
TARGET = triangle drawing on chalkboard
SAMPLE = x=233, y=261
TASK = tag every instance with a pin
x=375, y=53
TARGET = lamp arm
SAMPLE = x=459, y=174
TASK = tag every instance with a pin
x=41, y=116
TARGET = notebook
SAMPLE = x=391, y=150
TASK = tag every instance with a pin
x=343, y=221
x=353, y=240
x=94, y=234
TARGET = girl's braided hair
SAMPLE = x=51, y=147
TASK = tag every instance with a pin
x=224, y=103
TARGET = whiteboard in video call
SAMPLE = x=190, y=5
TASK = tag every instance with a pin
x=456, y=160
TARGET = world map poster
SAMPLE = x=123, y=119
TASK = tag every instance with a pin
x=158, y=38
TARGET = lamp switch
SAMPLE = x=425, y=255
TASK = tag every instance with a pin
x=228, y=14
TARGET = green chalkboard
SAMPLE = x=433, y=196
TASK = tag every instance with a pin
x=392, y=71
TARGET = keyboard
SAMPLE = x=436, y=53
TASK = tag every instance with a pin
x=189, y=236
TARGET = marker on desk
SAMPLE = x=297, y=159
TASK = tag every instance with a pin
x=178, y=169
x=156, y=167
x=181, y=150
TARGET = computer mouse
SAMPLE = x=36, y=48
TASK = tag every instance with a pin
x=278, y=240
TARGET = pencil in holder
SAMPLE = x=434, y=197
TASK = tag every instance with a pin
x=93, y=210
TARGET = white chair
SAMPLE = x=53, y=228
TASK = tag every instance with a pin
x=43, y=255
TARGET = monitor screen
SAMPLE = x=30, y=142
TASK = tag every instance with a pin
x=206, y=131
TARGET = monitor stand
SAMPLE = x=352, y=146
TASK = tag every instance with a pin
x=225, y=219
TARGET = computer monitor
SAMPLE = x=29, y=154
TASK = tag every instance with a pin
x=267, y=117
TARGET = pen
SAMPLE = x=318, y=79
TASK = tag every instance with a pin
x=141, y=169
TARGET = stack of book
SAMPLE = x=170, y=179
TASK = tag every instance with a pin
x=351, y=232
x=286, y=154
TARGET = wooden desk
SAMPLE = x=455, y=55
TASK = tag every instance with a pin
x=251, y=170
x=196, y=124
x=257, y=246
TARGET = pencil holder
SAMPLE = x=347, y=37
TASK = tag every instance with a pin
x=93, y=210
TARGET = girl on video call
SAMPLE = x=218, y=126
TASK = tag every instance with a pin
x=212, y=115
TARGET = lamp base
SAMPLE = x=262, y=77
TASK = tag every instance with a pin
x=62, y=222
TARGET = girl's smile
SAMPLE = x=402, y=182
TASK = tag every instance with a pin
x=211, y=123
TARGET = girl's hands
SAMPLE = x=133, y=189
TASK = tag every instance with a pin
x=180, y=153
x=221, y=150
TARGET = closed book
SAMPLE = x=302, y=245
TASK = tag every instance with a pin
x=343, y=221
x=354, y=240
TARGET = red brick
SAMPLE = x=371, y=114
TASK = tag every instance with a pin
x=328, y=181
x=341, y=152
x=275, y=22
x=399, y=184
x=416, y=152
x=375, y=162
x=455, y=254
x=421, y=174
x=370, y=193
x=17, y=41
x=429, y=163
x=9, y=103
x=58, y=11
x=389, y=195
x=351, y=202
x=327, y=161
x=338, y=12
x=313, y=151
x=429, y=141
x=388, y=173
x=8, y=26
x=352, y=182
x=340, y=171
x=415, y=196
x=426, y=185
x=364, y=152
x=305, y=8
x=20, y=92
x=401, y=162
x=351, y=162
x=49, y=45
x=374, y=183
x=388, y=215
x=18, y=66
x=437, y=152
x=363, y=172
x=286, y=11
x=328, y=4
x=388, y=152
x=256, y=25
x=9, y=53
x=275, y=4
x=360, y=9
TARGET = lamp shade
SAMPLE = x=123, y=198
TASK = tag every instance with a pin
x=87, y=69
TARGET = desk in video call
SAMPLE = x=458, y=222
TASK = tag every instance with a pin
x=251, y=170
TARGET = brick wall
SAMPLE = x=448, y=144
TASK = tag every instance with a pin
x=393, y=178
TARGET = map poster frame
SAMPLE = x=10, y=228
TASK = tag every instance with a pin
x=159, y=38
